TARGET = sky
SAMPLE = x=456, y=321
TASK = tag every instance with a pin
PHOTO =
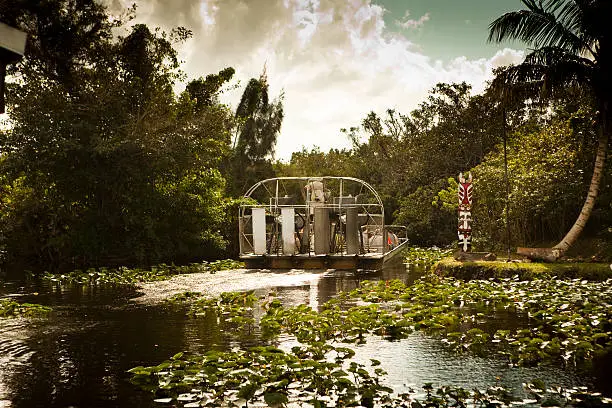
x=336, y=60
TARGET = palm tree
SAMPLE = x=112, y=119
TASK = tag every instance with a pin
x=572, y=46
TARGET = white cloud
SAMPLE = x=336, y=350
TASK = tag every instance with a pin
x=408, y=23
x=335, y=59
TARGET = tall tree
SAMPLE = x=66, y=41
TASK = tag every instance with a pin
x=102, y=162
x=572, y=42
x=259, y=124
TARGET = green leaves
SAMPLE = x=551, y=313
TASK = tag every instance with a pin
x=130, y=276
x=112, y=166
x=425, y=256
x=10, y=308
x=558, y=320
x=261, y=373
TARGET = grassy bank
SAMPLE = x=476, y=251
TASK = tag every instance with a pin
x=525, y=270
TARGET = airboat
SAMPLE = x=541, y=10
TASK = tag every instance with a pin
x=316, y=223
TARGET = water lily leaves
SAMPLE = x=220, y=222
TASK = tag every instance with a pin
x=140, y=370
x=248, y=390
x=552, y=319
x=10, y=308
x=275, y=398
x=163, y=400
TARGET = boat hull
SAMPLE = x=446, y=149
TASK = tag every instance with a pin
x=373, y=261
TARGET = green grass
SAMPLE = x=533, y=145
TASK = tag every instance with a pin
x=525, y=270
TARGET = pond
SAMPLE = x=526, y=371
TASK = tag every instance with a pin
x=80, y=354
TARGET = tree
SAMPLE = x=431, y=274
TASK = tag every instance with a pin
x=572, y=42
x=205, y=91
x=452, y=125
x=259, y=123
x=103, y=163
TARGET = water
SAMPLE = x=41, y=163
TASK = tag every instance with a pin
x=78, y=357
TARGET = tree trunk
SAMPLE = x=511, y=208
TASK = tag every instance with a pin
x=571, y=237
x=2, y=82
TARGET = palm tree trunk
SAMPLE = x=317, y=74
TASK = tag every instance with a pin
x=571, y=237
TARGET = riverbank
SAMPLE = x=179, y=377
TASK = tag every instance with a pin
x=524, y=270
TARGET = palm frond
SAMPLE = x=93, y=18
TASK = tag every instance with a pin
x=589, y=19
x=539, y=26
x=547, y=71
x=551, y=56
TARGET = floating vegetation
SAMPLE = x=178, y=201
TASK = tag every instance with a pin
x=233, y=307
x=10, y=308
x=319, y=375
x=568, y=321
x=229, y=308
x=425, y=256
x=183, y=297
x=130, y=276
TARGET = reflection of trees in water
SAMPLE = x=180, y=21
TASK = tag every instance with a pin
x=81, y=359
x=345, y=281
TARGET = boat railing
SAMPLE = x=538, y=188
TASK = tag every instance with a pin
x=297, y=229
x=313, y=216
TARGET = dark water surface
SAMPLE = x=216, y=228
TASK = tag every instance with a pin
x=78, y=357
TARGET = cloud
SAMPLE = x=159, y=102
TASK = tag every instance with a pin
x=335, y=59
x=506, y=57
x=409, y=23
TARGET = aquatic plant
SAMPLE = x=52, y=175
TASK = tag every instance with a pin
x=131, y=276
x=232, y=307
x=183, y=297
x=567, y=319
x=564, y=320
x=10, y=308
x=319, y=375
x=425, y=256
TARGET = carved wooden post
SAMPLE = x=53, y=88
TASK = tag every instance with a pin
x=464, y=231
x=12, y=47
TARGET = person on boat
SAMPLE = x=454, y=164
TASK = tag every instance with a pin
x=315, y=192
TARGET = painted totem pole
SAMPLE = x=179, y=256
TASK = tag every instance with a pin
x=464, y=230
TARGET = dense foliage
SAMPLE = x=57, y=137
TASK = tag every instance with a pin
x=571, y=46
x=418, y=157
x=132, y=276
x=102, y=163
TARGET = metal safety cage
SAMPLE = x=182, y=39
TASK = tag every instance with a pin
x=313, y=216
